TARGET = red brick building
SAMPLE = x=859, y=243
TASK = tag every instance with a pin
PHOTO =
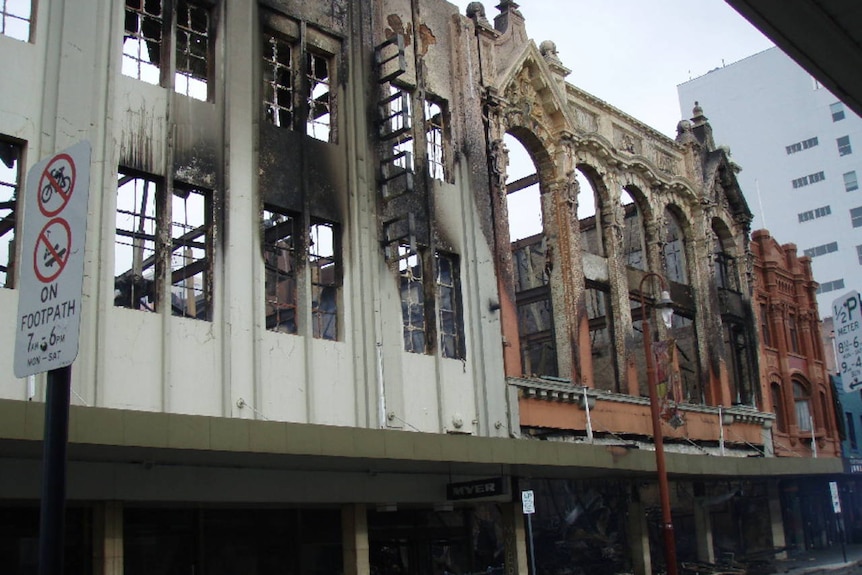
x=792, y=360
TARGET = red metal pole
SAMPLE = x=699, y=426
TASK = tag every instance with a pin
x=661, y=470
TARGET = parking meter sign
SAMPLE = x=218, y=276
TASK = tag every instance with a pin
x=52, y=243
x=847, y=323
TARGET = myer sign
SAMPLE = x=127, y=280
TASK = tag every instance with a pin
x=492, y=487
x=847, y=323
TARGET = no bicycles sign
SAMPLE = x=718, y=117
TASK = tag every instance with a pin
x=52, y=270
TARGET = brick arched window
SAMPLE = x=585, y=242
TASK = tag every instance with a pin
x=802, y=402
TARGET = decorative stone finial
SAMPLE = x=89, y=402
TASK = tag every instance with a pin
x=476, y=10
x=683, y=126
x=697, y=111
x=548, y=50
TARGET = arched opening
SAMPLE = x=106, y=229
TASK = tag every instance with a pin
x=674, y=248
x=633, y=229
x=802, y=403
x=530, y=259
x=589, y=212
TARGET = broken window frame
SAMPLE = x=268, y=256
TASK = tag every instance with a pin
x=11, y=151
x=436, y=113
x=132, y=288
x=450, y=311
x=280, y=243
x=313, y=96
x=10, y=20
x=412, y=287
x=325, y=287
x=196, y=241
x=178, y=26
x=279, y=74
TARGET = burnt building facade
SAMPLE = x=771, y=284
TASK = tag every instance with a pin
x=304, y=319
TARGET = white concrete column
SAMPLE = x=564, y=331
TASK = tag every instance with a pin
x=354, y=537
x=639, y=536
x=703, y=532
x=775, y=519
x=515, y=539
x=108, y=538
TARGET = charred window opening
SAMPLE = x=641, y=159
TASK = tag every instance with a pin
x=742, y=380
x=280, y=280
x=535, y=313
x=15, y=19
x=318, y=69
x=802, y=403
x=601, y=338
x=147, y=29
x=10, y=178
x=299, y=77
x=683, y=334
x=435, y=136
x=278, y=78
x=135, y=261
x=191, y=253
x=324, y=261
x=449, y=304
x=142, y=44
x=193, y=49
x=412, y=287
x=139, y=248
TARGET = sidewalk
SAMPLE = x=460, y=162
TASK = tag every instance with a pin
x=827, y=561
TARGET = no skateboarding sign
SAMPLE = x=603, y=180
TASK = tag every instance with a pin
x=49, y=299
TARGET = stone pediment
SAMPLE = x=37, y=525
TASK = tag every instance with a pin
x=532, y=94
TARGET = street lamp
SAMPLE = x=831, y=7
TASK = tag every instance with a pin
x=665, y=306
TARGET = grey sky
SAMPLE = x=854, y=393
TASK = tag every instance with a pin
x=633, y=53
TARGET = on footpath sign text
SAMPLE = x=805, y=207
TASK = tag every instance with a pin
x=52, y=261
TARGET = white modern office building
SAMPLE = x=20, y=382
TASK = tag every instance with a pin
x=800, y=150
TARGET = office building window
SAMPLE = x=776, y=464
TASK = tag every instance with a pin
x=10, y=181
x=803, y=145
x=831, y=286
x=822, y=250
x=449, y=305
x=146, y=34
x=278, y=78
x=856, y=216
x=15, y=19
x=435, y=133
x=809, y=179
x=844, y=148
x=814, y=214
x=850, y=182
x=859, y=253
x=837, y=110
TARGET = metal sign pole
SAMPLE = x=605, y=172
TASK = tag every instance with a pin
x=532, y=544
x=53, y=506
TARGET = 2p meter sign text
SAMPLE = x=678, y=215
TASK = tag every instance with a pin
x=847, y=323
x=52, y=261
